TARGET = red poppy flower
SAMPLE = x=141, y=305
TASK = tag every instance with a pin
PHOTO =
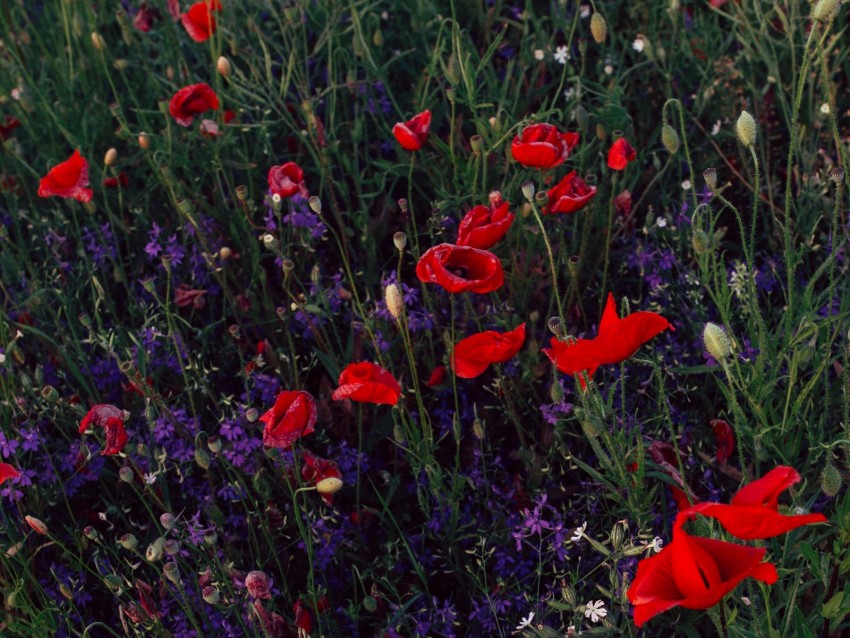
x=618, y=339
x=199, y=21
x=754, y=510
x=461, y=269
x=111, y=419
x=542, y=146
x=724, y=438
x=694, y=572
x=620, y=154
x=9, y=124
x=367, y=383
x=438, y=375
x=190, y=101
x=68, y=179
x=571, y=194
x=114, y=182
x=413, y=133
x=116, y=436
x=143, y=21
x=257, y=584
x=483, y=226
x=473, y=355
x=292, y=416
x=316, y=470
x=7, y=472
x=286, y=180
x=303, y=619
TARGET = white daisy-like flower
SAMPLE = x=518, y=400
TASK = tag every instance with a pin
x=150, y=477
x=657, y=544
x=824, y=108
x=585, y=11
x=595, y=610
x=525, y=622
x=562, y=54
x=539, y=54
x=661, y=222
x=638, y=44
x=686, y=185
x=577, y=535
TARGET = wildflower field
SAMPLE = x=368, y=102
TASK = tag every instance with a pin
x=434, y=318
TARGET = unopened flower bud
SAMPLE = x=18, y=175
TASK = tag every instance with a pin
x=582, y=118
x=701, y=242
x=478, y=429
x=400, y=240
x=557, y=392
x=128, y=541
x=528, y=191
x=155, y=549
x=202, y=459
x=167, y=520
x=110, y=157
x=569, y=595
x=746, y=129
x=85, y=320
x=126, y=474
x=598, y=28
x=144, y=141
x=716, y=341
x=830, y=479
x=223, y=66
x=211, y=595
x=225, y=253
x=826, y=10
x=315, y=204
x=329, y=486
x=670, y=138
x=36, y=524
x=574, y=266
x=169, y=570
x=97, y=41
x=214, y=444
x=618, y=535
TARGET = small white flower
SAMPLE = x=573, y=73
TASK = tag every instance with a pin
x=638, y=44
x=525, y=622
x=715, y=129
x=609, y=69
x=824, y=108
x=562, y=54
x=568, y=93
x=2, y=358
x=577, y=535
x=539, y=54
x=686, y=185
x=150, y=478
x=595, y=610
x=585, y=11
x=657, y=544
x=746, y=601
x=661, y=222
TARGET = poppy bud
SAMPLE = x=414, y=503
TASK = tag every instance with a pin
x=315, y=204
x=601, y=131
x=598, y=28
x=370, y=604
x=582, y=118
x=701, y=242
x=126, y=474
x=49, y=393
x=826, y=10
x=91, y=533
x=225, y=253
x=716, y=341
x=746, y=129
x=495, y=124
x=167, y=520
x=670, y=138
x=569, y=595
x=400, y=240
x=477, y=143
x=120, y=64
x=328, y=486
x=837, y=175
x=128, y=541
x=110, y=157
x=144, y=141
x=453, y=70
x=618, y=534
x=169, y=570
x=36, y=524
x=214, y=444
x=155, y=549
x=113, y=582
x=528, y=191
x=97, y=41
x=394, y=301
x=451, y=94
x=830, y=479
x=211, y=595
x=378, y=38
x=223, y=66
x=557, y=392
x=398, y=434
x=202, y=459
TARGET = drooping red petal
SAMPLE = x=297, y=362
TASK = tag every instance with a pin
x=766, y=490
x=755, y=522
x=474, y=354
x=7, y=472
x=116, y=436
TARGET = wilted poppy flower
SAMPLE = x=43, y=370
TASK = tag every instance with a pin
x=143, y=20
x=620, y=154
x=286, y=180
x=9, y=124
x=292, y=416
x=460, y=269
x=257, y=584
x=542, y=146
x=199, y=21
x=483, y=226
x=146, y=599
x=618, y=339
x=664, y=455
x=111, y=419
x=473, y=355
x=754, y=510
x=303, y=619
x=68, y=179
x=367, y=383
x=7, y=472
x=185, y=296
x=413, y=133
x=569, y=195
x=190, y=101
x=693, y=572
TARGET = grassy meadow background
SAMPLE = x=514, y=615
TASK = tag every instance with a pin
x=185, y=296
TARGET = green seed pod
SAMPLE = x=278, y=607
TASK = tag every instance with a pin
x=370, y=604
x=830, y=479
x=670, y=138
x=169, y=570
x=701, y=242
x=128, y=541
x=202, y=459
x=211, y=595
x=582, y=118
x=618, y=534
x=557, y=392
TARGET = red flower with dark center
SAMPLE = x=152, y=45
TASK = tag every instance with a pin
x=7, y=472
x=542, y=146
x=473, y=355
x=693, y=572
x=293, y=415
x=413, y=133
x=9, y=124
x=483, y=226
x=571, y=194
x=460, y=269
x=367, y=383
x=199, y=21
x=618, y=339
x=68, y=179
x=190, y=101
x=111, y=419
x=286, y=180
x=620, y=154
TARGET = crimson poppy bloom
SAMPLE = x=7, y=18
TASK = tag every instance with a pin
x=190, y=101
x=7, y=472
x=413, y=133
x=111, y=419
x=693, y=572
x=286, y=180
x=569, y=195
x=68, y=179
x=367, y=383
x=620, y=154
x=473, y=355
x=293, y=415
x=461, y=269
x=199, y=21
x=754, y=513
x=542, y=146
x=483, y=226
x=618, y=339
x=9, y=124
